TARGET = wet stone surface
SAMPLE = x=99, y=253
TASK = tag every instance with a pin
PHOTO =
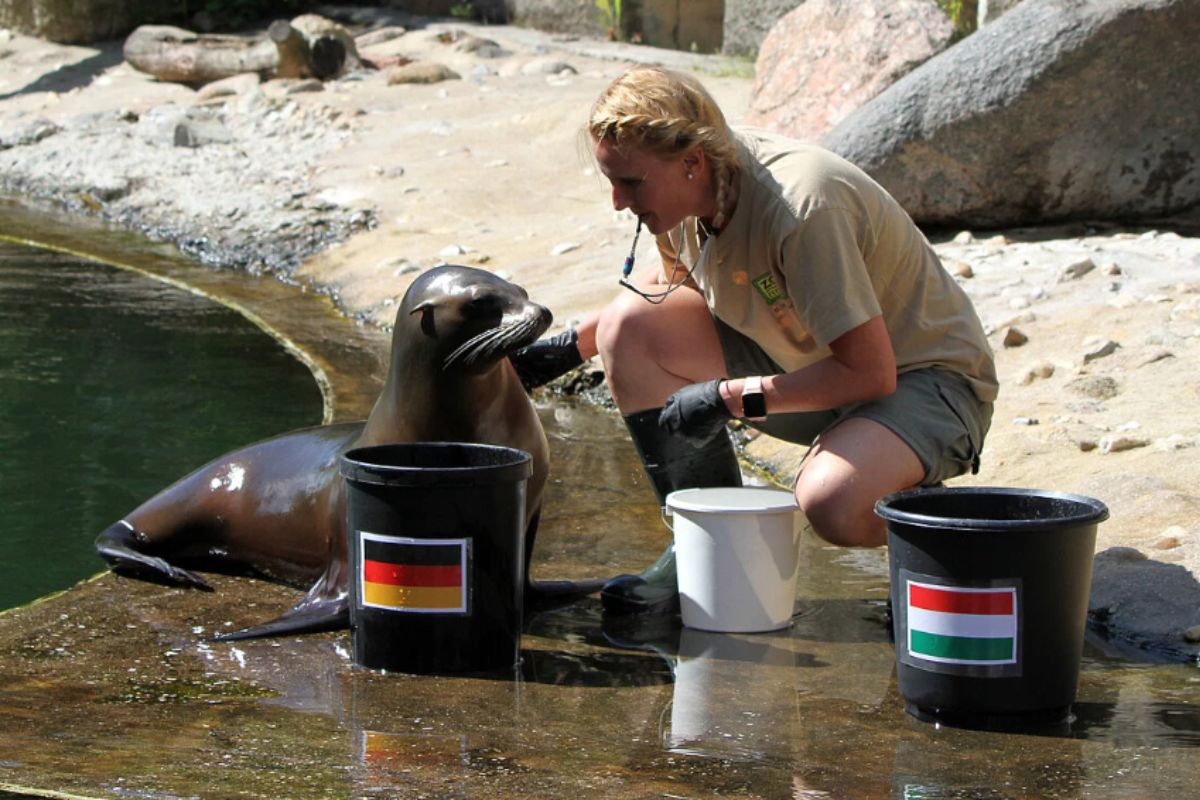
x=111, y=690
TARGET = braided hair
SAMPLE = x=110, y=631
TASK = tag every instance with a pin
x=665, y=113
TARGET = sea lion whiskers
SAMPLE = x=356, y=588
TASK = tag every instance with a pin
x=485, y=346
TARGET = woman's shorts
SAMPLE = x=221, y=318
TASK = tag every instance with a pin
x=933, y=411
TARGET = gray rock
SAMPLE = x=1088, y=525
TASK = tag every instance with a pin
x=1060, y=109
x=748, y=22
x=1097, y=387
x=1145, y=602
x=1121, y=442
x=1101, y=348
x=828, y=57
x=28, y=133
x=1077, y=270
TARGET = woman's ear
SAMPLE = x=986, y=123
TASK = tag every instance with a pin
x=695, y=161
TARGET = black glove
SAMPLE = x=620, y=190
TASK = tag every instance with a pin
x=546, y=359
x=696, y=412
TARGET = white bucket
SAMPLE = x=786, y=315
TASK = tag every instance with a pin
x=736, y=555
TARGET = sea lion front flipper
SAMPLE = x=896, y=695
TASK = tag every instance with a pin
x=117, y=544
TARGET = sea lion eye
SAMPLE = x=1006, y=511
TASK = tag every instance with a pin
x=485, y=305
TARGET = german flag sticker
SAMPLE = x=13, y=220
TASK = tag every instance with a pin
x=422, y=576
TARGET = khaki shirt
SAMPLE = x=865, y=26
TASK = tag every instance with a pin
x=816, y=248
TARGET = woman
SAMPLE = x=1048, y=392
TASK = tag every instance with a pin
x=795, y=293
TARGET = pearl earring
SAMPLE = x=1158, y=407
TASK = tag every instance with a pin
x=690, y=176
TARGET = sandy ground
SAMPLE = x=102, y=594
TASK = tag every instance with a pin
x=1096, y=327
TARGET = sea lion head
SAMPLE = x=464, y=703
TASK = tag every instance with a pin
x=475, y=317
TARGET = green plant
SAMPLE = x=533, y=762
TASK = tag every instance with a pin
x=611, y=17
x=463, y=10
x=961, y=13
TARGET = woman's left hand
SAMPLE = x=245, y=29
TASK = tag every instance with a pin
x=697, y=412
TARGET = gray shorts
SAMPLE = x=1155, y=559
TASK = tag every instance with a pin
x=933, y=411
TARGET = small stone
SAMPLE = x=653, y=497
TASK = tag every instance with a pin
x=564, y=248
x=1192, y=634
x=1077, y=270
x=421, y=72
x=1176, y=441
x=1170, y=538
x=1099, y=349
x=1025, y=421
x=1040, y=370
x=302, y=86
x=452, y=250
x=961, y=269
x=1086, y=444
x=1118, y=444
x=547, y=67
x=1014, y=337
x=1114, y=269
x=964, y=237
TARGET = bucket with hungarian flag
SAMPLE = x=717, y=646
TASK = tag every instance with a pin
x=436, y=555
x=989, y=592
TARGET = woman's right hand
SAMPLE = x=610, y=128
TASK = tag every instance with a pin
x=547, y=359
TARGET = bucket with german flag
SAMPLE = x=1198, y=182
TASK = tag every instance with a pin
x=436, y=553
x=989, y=593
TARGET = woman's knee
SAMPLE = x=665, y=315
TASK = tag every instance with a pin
x=624, y=326
x=839, y=514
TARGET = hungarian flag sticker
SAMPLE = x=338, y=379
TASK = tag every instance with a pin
x=423, y=576
x=968, y=630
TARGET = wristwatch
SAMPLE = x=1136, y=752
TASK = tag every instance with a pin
x=754, y=402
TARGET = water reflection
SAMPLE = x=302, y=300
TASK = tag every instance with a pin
x=613, y=707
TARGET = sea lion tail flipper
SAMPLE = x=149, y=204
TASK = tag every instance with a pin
x=117, y=544
x=545, y=595
x=306, y=617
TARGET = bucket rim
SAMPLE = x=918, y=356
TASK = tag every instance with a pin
x=356, y=466
x=1097, y=511
x=682, y=500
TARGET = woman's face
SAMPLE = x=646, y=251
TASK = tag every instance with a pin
x=656, y=190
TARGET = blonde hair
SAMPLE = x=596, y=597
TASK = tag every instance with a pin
x=665, y=113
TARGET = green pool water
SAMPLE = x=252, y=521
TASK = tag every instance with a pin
x=113, y=385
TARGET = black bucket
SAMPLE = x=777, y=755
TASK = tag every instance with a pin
x=989, y=591
x=437, y=539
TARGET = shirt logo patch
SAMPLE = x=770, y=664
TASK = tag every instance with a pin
x=768, y=287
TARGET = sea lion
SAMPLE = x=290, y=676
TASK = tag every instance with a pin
x=278, y=507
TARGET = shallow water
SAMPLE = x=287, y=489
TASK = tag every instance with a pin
x=111, y=385
x=144, y=706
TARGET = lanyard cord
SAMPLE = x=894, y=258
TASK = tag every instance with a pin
x=655, y=298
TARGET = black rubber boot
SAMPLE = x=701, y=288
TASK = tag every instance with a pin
x=671, y=463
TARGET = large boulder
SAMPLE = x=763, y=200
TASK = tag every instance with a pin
x=1058, y=110
x=78, y=21
x=828, y=57
x=747, y=23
